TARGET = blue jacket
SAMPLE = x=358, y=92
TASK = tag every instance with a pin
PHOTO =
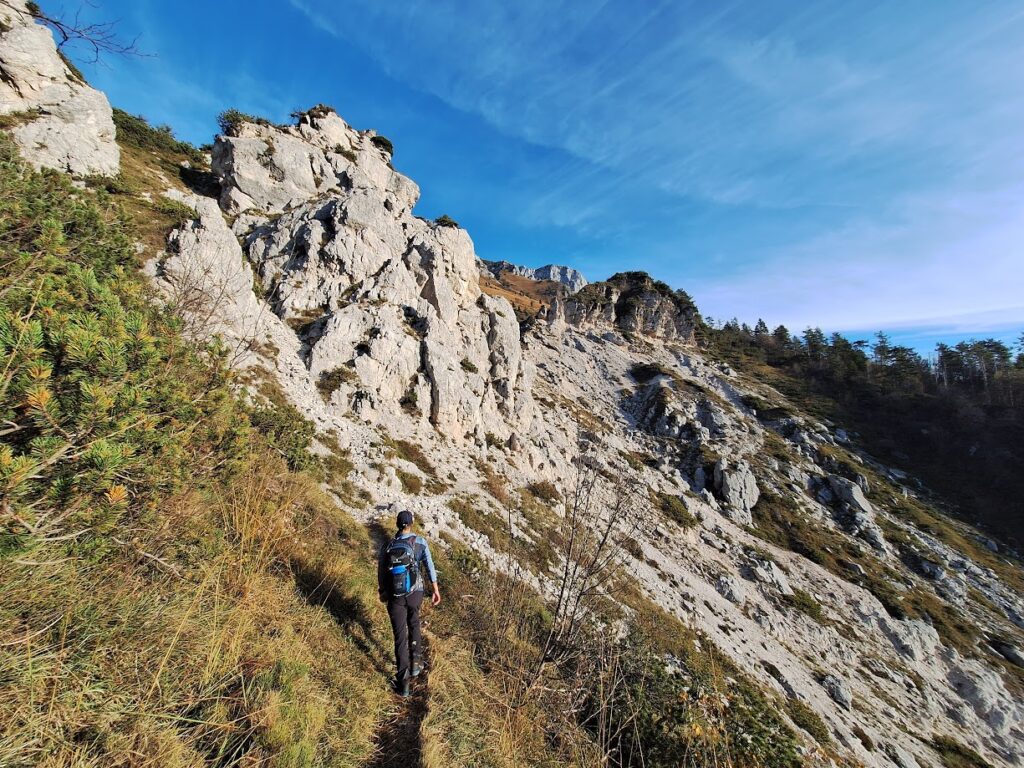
x=423, y=557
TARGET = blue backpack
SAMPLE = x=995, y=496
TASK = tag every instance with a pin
x=401, y=562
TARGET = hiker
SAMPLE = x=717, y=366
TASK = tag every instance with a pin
x=400, y=585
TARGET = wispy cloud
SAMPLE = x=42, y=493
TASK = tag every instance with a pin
x=835, y=164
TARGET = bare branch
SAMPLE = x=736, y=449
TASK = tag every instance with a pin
x=101, y=38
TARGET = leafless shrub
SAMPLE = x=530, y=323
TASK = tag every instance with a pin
x=565, y=648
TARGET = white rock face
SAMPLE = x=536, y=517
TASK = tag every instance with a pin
x=572, y=279
x=385, y=303
x=68, y=125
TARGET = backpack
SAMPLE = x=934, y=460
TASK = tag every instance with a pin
x=400, y=557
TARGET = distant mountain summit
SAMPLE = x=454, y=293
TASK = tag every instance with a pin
x=571, y=278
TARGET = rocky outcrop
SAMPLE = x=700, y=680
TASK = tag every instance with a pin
x=730, y=588
x=838, y=691
x=268, y=169
x=856, y=512
x=632, y=302
x=767, y=572
x=61, y=122
x=386, y=306
x=737, y=487
x=572, y=279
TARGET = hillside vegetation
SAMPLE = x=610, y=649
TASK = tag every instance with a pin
x=956, y=422
x=171, y=592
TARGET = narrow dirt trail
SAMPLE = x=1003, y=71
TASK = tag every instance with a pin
x=398, y=742
x=398, y=735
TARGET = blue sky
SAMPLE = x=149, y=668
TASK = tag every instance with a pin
x=849, y=165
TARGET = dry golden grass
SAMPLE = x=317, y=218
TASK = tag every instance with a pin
x=526, y=296
x=256, y=642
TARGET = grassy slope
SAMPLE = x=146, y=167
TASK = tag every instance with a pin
x=526, y=296
x=172, y=593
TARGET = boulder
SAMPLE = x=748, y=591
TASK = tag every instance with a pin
x=64, y=123
x=857, y=514
x=730, y=588
x=768, y=572
x=737, y=487
x=838, y=691
x=1012, y=653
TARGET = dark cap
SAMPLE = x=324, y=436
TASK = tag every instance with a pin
x=404, y=518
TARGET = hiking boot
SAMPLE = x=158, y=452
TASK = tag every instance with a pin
x=401, y=688
x=417, y=670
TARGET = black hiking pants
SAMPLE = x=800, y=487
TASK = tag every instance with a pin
x=405, y=623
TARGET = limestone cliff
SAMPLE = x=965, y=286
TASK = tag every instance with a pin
x=572, y=279
x=632, y=302
x=60, y=121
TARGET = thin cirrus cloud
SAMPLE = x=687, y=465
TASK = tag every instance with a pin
x=833, y=164
x=892, y=128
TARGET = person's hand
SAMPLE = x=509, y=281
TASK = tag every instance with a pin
x=436, y=599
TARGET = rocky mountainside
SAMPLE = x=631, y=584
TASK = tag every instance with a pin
x=824, y=576
x=572, y=279
x=814, y=567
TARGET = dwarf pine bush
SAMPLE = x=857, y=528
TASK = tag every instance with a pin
x=90, y=417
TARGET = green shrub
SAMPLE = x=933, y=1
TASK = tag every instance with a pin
x=328, y=382
x=14, y=119
x=675, y=510
x=805, y=603
x=409, y=401
x=286, y=430
x=348, y=154
x=230, y=121
x=91, y=418
x=135, y=131
x=545, y=491
x=808, y=720
x=468, y=366
x=645, y=372
x=412, y=453
x=956, y=755
x=384, y=144
x=318, y=111
x=411, y=483
x=444, y=220
x=706, y=713
x=863, y=738
x=176, y=211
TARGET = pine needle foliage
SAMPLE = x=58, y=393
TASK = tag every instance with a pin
x=90, y=416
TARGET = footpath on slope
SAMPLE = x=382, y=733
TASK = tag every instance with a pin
x=398, y=743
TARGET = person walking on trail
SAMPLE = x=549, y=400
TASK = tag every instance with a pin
x=400, y=585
